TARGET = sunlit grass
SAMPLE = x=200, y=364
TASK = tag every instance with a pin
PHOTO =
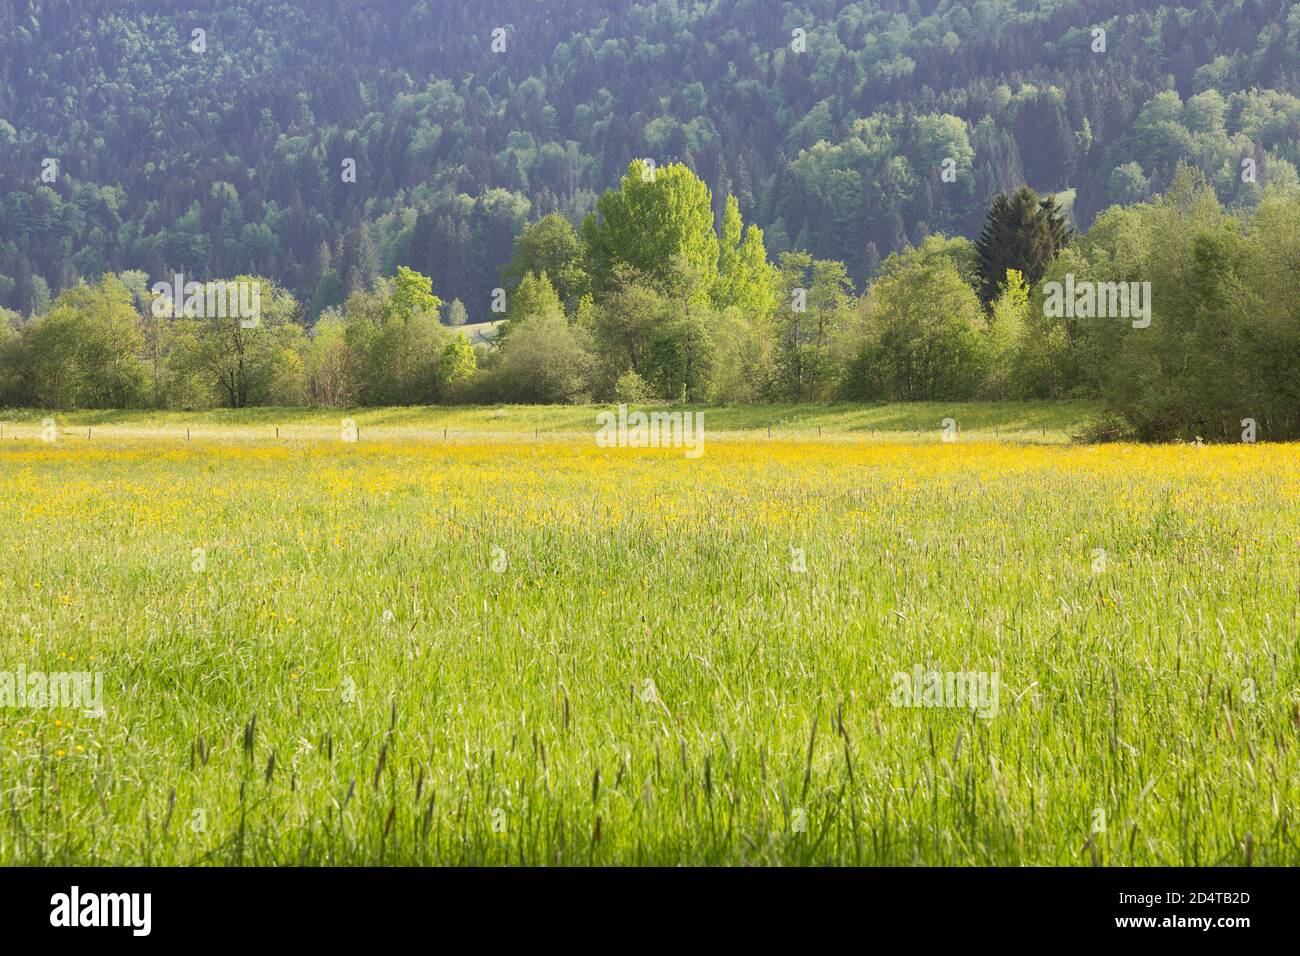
x=349, y=678
x=911, y=421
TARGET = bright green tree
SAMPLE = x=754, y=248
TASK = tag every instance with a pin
x=545, y=359
x=85, y=352
x=919, y=339
x=412, y=295
x=550, y=245
x=242, y=360
x=745, y=279
x=456, y=313
x=817, y=301
x=458, y=363
x=1003, y=337
x=656, y=222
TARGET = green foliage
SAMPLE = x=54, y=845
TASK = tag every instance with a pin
x=920, y=334
x=1005, y=338
x=658, y=223
x=534, y=295
x=816, y=303
x=622, y=327
x=456, y=314
x=412, y=297
x=746, y=280
x=550, y=246
x=397, y=342
x=1217, y=129
x=330, y=365
x=679, y=362
x=1021, y=232
x=457, y=365
x=1127, y=184
x=840, y=150
x=544, y=361
x=85, y=352
x=238, y=361
x=15, y=387
x=359, y=264
x=1222, y=345
x=631, y=388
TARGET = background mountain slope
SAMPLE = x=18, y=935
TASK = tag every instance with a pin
x=229, y=161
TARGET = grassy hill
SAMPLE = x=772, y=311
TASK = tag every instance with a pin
x=480, y=333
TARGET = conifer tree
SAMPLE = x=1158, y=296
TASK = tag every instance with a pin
x=1020, y=232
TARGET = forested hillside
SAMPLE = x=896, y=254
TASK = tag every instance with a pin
x=226, y=152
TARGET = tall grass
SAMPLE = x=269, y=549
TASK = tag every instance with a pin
x=480, y=651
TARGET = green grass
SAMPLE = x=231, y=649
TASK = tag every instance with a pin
x=615, y=656
x=1065, y=199
x=1026, y=421
x=479, y=333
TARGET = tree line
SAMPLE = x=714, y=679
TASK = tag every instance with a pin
x=322, y=148
x=646, y=301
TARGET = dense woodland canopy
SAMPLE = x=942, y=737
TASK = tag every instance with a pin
x=845, y=156
x=229, y=161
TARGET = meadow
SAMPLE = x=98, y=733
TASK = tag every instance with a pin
x=510, y=646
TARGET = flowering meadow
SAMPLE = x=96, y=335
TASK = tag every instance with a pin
x=524, y=648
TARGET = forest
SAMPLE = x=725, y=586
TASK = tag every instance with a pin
x=387, y=173
x=647, y=302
